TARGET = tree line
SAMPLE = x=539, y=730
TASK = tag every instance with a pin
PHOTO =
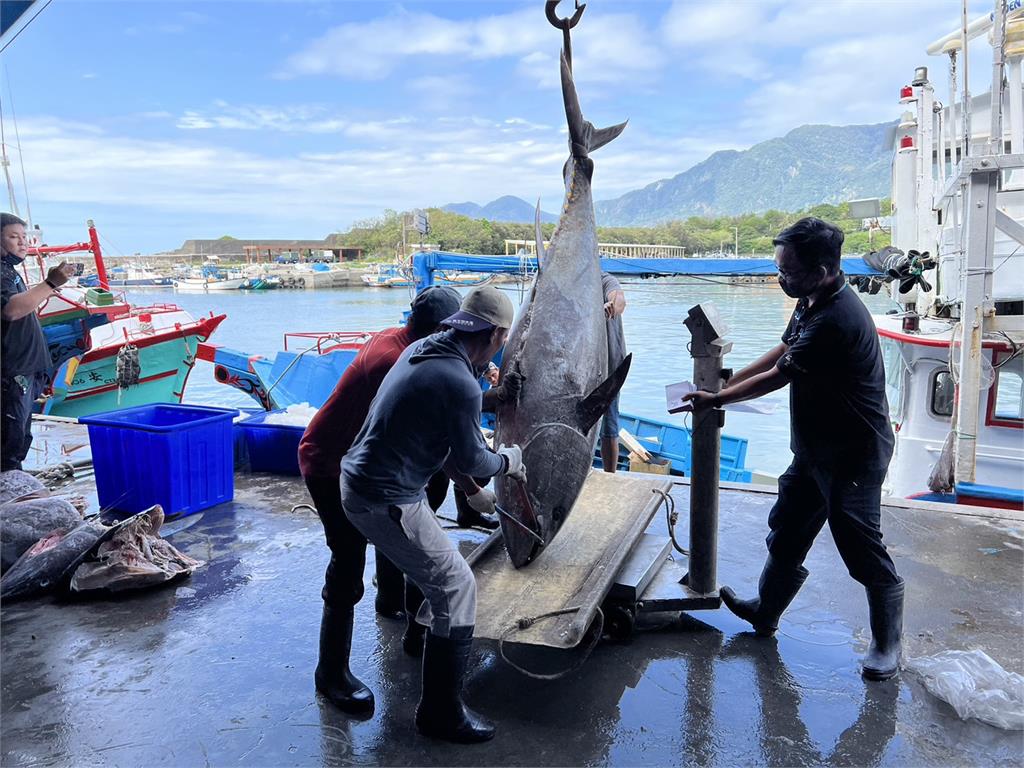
x=381, y=237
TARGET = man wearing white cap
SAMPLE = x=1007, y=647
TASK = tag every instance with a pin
x=427, y=416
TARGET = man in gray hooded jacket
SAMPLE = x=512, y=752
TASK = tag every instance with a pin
x=426, y=416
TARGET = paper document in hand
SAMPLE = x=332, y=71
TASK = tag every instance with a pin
x=674, y=394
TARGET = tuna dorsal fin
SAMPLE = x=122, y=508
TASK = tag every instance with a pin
x=594, y=405
x=539, y=235
x=583, y=136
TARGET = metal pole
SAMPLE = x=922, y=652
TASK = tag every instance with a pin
x=708, y=350
x=976, y=293
x=996, y=105
x=966, y=106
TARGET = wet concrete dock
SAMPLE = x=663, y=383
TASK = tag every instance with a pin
x=217, y=670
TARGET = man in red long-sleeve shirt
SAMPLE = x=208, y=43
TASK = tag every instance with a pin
x=326, y=440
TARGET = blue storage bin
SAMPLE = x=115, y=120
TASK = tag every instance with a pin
x=177, y=456
x=272, y=448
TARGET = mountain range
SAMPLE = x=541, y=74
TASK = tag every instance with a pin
x=507, y=208
x=810, y=165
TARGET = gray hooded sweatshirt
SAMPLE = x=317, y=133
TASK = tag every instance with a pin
x=427, y=406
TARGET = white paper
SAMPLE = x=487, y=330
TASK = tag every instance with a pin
x=674, y=401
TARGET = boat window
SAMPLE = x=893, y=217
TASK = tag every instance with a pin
x=1009, y=397
x=892, y=355
x=942, y=394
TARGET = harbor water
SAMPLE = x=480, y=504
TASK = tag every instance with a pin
x=755, y=313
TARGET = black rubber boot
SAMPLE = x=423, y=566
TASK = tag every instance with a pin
x=412, y=640
x=775, y=591
x=885, y=612
x=333, y=677
x=441, y=712
x=390, y=600
x=468, y=517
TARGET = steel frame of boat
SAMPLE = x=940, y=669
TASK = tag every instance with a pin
x=955, y=383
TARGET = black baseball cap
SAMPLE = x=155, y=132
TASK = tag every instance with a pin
x=432, y=305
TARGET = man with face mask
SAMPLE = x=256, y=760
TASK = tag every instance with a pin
x=840, y=438
x=24, y=357
x=426, y=416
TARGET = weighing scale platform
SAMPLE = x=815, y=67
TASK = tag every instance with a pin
x=600, y=557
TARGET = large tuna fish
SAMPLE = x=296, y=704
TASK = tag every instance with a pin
x=559, y=344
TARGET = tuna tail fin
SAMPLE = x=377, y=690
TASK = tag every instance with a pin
x=583, y=136
x=594, y=405
x=539, y=237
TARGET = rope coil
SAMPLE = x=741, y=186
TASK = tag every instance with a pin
x=596, y=629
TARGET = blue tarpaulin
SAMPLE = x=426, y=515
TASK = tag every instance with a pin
x=425, y=263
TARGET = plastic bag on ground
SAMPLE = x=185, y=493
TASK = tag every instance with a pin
x=975, y=685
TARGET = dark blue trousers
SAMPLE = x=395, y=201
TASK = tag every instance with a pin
x=850, y=501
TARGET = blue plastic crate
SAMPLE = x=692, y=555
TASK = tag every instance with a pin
x=272, y=448
x=177, y=456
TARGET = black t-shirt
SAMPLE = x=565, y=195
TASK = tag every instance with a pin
x=23, y=351
x=839, y=413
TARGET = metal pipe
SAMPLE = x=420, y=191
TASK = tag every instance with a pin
x=1016, y=105
x=966, y=102
x=97, y=255
x=708, y=349
x=996, y=104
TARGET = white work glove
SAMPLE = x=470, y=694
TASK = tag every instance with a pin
x=483, y=501
x=514, y=454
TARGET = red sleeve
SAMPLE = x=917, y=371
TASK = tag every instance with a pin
x=334, y=428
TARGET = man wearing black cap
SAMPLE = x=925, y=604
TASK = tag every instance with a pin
x=24, y=358
x=325, y=441
x=425, y=416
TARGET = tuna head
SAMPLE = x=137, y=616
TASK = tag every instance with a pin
x=559, y=344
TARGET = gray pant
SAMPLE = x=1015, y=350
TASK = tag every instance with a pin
x=409, y=535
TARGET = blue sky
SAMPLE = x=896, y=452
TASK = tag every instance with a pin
x=164, y=121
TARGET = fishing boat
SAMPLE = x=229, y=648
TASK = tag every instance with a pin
x=131, y=276
x=387, y=276
x=955, y=352
x=91, y=333
x=209, y=278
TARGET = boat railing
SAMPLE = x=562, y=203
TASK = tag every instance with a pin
x=328, y=341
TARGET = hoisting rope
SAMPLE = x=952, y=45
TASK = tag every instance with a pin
x=597, y=629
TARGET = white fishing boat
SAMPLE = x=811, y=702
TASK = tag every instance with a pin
x=955, y=354
x=209, y=279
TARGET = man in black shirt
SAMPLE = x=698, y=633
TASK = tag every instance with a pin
x=24, y=357
x=840, y=438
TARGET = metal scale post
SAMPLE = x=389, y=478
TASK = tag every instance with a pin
x=708, y=348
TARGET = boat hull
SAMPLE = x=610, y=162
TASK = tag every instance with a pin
x=166, y=358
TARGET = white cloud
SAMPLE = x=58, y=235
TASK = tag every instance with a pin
x=609, y=48
x=198, y=179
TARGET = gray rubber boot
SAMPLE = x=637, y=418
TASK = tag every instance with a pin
x=333, y=677
x=885, y=614
x=441, y=712
x=776, y=589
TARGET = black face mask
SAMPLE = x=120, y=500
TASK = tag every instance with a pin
x=794, y=290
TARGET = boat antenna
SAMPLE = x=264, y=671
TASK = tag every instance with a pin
x=5, y=161
x=21, y=155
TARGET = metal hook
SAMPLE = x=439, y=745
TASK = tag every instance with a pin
x=567, y=23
